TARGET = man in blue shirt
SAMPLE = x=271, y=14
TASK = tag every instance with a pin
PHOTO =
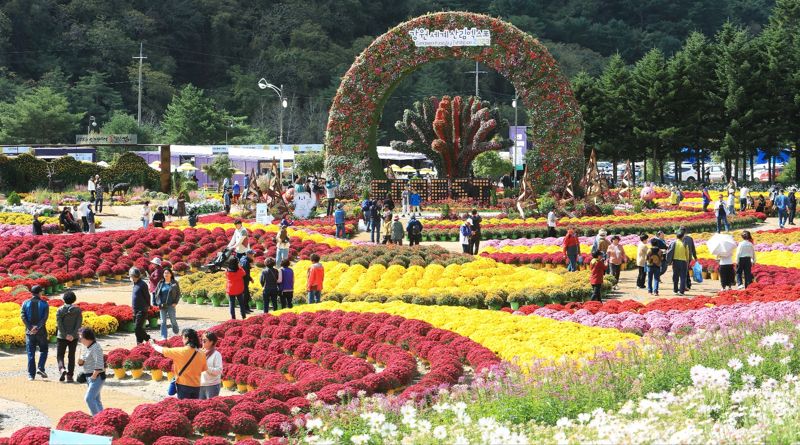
x=338, y=219
x=781, y=203
x=34, y=313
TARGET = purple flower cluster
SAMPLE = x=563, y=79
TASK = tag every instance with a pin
x=675, y=321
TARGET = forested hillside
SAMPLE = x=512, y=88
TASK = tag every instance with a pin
x=83, y=51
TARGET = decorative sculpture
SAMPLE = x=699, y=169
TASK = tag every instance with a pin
x=594, y=184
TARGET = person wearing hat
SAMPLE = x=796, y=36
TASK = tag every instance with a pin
x=414, y=230
x=464, y=235
x=34, y=313
x=239, y=242
x=792, y=205
x=237, y=191
x=140, y=302
x=338, y=219
x=397, y=231
x=156, y=274
x=601, y=243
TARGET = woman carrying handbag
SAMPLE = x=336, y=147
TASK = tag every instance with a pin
x=188, y=362
x=166, y=296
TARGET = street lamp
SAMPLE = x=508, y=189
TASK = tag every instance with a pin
x=263, y=84
x=92, y=123
x=514, y=153
x=230, y=124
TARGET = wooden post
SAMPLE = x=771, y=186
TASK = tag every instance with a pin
x=165, y=169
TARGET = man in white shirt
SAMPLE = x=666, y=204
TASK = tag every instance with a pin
x=82, y=212
x=551, y=224
x=743, y=192
x=172, y=204
x=239, y=243
x=90, y=186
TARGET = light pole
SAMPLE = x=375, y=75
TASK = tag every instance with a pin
x=263, y=84
x=92, y=123
x=230, y=125
x=514, y=153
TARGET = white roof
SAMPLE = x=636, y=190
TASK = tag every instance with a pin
x=390, y=154
x=237, y=151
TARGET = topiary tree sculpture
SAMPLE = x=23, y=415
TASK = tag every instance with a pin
x=453, y=135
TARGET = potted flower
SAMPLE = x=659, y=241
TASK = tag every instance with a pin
x=241, y=380
x=243, y=425
x=134, y=362
x=151, y=364
x=216, y=298
x=517, y=298
x=494, y=300
x=165, y=365
x=228, y=377
x=258, y=297
x=116, y=361
x=201, y=296
x=212, y=423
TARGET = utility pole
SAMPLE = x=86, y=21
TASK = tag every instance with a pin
x=141, y=58
x=477, y=73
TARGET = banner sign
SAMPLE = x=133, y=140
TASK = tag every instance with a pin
x=519, y=135
x=16, y=150
x=83, y=139
x=217, y=150
x=58, y=437
x=451, y=37
x=86, y=157
x=262, y=214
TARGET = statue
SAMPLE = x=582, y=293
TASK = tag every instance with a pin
x=594, y=184
x=527, y=193
x=627, y=181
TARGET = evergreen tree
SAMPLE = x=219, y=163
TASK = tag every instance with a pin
x=615, y=126
x=192, y=118
x=38, y=116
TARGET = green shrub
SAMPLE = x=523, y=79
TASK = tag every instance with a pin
x=546, y=204
x=13, y=199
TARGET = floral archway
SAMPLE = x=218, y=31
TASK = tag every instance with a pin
x=555, y=125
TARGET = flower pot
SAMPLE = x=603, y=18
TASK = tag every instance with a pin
x=549, y=266
x=118, y=277
x=129, y=326
x=101, y=279
x=119, y=373
x=153, y=323
x=228, y=384
x=288, y=377
x=494, y=307
x=241, y=388
x=537, y=265
x=240, y=437
x=53, y=339
x=715, y=275
x=68, y=284
x=59, y=287
x=157, y=375
x=190, y=300
x=216, y=302
x=137, y=373
x=250, y=388
x=260, y=305
x=514, y=305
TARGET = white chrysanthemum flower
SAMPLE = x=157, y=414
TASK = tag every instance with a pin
x=754, y=360
x=440, y=432
x=359, y=439
x=735, y=364
x=314, y=423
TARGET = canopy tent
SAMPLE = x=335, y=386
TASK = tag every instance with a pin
x=155, y=165
x=389, y=154
x=187, y=167
x=408, y=169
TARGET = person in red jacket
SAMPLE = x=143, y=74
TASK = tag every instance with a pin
x=235, y=288
x=598, y=269
x=316, y=275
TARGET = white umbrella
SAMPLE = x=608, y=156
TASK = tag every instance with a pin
x=721, y=244
x=187, y=167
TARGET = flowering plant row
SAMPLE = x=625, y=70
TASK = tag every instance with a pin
x=388, y=255
x=15, y=230
x=12, y=330
x=323, y=225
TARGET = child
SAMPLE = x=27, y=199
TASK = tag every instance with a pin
x=287, y=284
x=316, y=276
x=387, y=229
x=653, y=267
x=598, y=269
x=235, y=287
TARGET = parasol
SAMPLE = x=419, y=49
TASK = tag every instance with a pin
x=721, y=244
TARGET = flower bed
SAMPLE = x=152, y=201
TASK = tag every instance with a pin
x=324, y=225
x=15, y=230
x=387, y=255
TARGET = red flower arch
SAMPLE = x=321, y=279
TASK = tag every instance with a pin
x=555, y=121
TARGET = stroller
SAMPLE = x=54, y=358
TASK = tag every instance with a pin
x=219, y=262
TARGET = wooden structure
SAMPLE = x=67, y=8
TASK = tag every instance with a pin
x=478, y=189
x=594, y=184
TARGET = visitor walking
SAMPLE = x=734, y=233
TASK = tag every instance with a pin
x=388, y=203
x=678, y=257
x=744, y=192
x=282, y=244
x=792, y=206
x=726, y=273
x=237, y=192
x=188, y=364
x=414, y=230
x=159, y=218
x=239, y=242
x=69, y=319
x=145, y=216
x=166, y=297
x=387, y=228
x=572, y=248
x=375, y=222
x=688, y=241
x=641, y=260
x=551, y=224
x=475, y=239
x=722, y=215
x=90, y=219
x=653, y=267
x=601, y=244
x=366, y=204
x=706, y=198
x=598, y=269
x=287, y=284
x=339, y=220
x=98, y=197
x=315, y=278
x=415, y=201
x=140, y=302
x=270, y=282
x=156, y=274
x=246, y=263
x=731, y=205
x=397, y=231
x=235, y=288
x=745, y=259
x=182, y=196
x=330, y=194
x=405, y=200
x=172, y=206
x=781, y=203
x=226, y=201
x=464, y=235
x=90, y=186
x=616, y=258
x=211, y=378
x=37, y=225
x=82, y=215
x=94, y=370
x=34, y=313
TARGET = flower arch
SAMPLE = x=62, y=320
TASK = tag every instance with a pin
x=554, y=116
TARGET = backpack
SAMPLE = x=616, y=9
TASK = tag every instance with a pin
x=654, y=259
x=416, y=228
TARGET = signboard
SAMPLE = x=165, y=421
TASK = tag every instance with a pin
x=82, y=156
x=16, y=150
x=262, y=214
x=218, y=150
x=69, y=438
x=451, y=37
x=91, y=139
x=519, y=135
x=303, y=203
